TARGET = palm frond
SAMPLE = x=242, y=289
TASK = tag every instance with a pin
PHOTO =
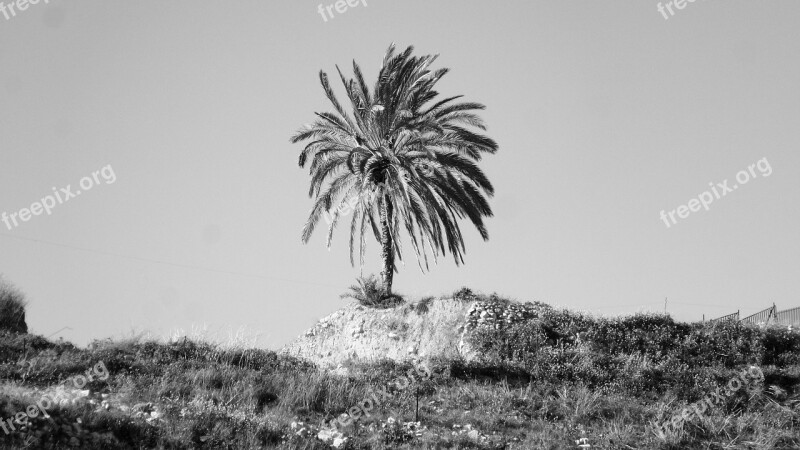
x=400, y=144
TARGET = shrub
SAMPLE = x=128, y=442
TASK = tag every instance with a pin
x=422, y=306
x=729, y=344
x=496, y=299
x=465, y=294
x=263, y=397
x=562, y=327
x=398, y=325
x=515, y=343
x=652, y=334
x=395, y=432
x=781, y=347
x=485, y=372
x=369, y=292
x=268, y=434
x=12, y=308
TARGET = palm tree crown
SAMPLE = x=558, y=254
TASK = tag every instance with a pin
x=399, y=160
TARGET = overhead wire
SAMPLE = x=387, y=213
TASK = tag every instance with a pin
x=166, y=263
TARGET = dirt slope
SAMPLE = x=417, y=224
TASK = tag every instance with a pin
x=400, y=333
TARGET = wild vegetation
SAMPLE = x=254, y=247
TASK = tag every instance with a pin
x=371, y=293
x=547, y=383
x=12, y=308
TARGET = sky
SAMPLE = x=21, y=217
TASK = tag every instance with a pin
x=606, y=113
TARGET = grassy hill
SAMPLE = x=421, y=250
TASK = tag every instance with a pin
x=558, y=380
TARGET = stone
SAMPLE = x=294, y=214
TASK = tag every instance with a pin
x=493, y=315
x=143, y=407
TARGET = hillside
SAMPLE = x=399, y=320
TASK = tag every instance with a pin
x=421, y=330
x=463, y=371
x=358, y=333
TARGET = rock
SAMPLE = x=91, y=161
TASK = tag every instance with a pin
x=335, y=438
x=493, y=315
x=339, y=334
x=143, y=407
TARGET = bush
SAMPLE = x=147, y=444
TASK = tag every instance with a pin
x=643, y=353
x=654, y=335
x=370, y=293
x=515, y=343
x=729, y=344
x=465, y=294
x=12, y=309
x=781, y=347
x=563, y=327
x=423, y=305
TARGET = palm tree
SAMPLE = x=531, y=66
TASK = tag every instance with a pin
x=398, y=159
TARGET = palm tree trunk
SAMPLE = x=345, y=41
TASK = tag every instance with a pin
x=387, y=251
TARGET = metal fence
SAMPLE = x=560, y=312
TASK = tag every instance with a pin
x=767, y=316
x=762, y=316
x=734, y=316
x=789, y=317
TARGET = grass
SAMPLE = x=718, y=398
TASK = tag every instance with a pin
x=12, y=308
x=547, y=384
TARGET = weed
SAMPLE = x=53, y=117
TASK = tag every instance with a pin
x=369, y=292
x=423, y=305
x=12, y=308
